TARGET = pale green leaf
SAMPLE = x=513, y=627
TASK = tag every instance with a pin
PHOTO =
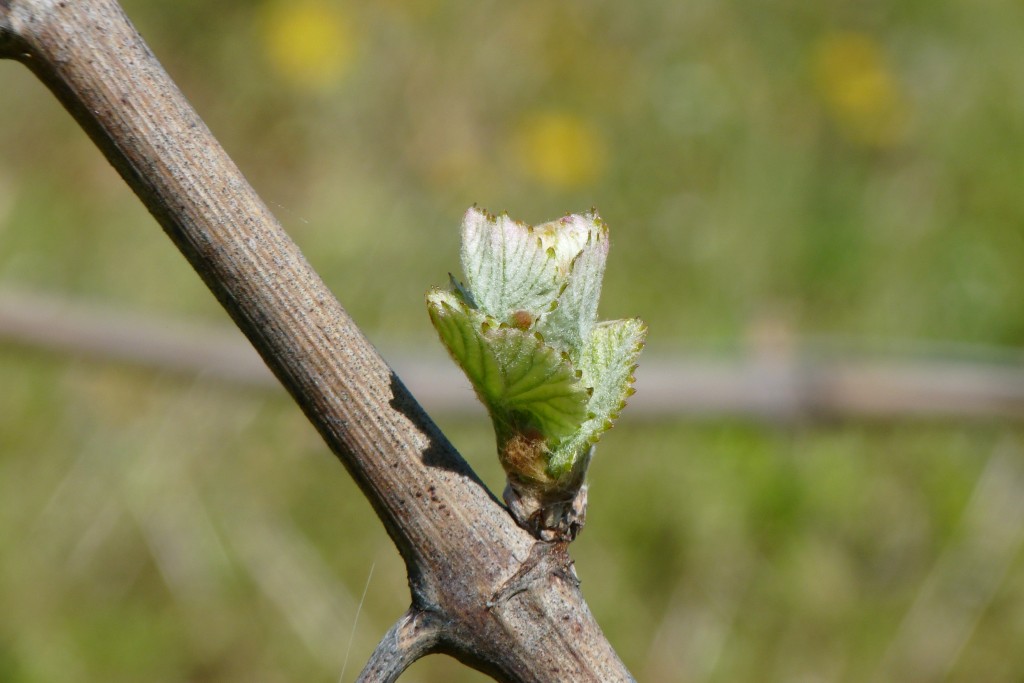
x=539, y=383
x=569, y=325
x=522, y=381
x=459, y=329
x=507, y=267
x=607, y=364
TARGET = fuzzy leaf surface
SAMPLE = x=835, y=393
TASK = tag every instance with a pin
x=607, y=364
x=524, y=382
x=507, y=267
x=569, y=325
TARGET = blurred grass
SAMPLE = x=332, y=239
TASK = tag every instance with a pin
x=850, y=169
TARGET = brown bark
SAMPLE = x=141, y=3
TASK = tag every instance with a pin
x=483, y=589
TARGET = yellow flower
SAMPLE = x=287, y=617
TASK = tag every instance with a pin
x=559, y=149
x=859, y=90
x=310, y=44
x=411, y=9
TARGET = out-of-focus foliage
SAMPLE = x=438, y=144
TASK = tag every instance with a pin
x=851, y=169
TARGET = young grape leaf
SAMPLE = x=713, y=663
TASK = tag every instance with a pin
x=607, y=364
x=507, y=267
x=569, y=325
x=523, y=382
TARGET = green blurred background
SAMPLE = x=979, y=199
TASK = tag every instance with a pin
x=843, y=169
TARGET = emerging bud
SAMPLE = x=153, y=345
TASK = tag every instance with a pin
x=524, y=330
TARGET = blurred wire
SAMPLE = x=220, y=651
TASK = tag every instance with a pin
x=773, y=381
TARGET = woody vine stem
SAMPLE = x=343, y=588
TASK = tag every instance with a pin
x=483, y=589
